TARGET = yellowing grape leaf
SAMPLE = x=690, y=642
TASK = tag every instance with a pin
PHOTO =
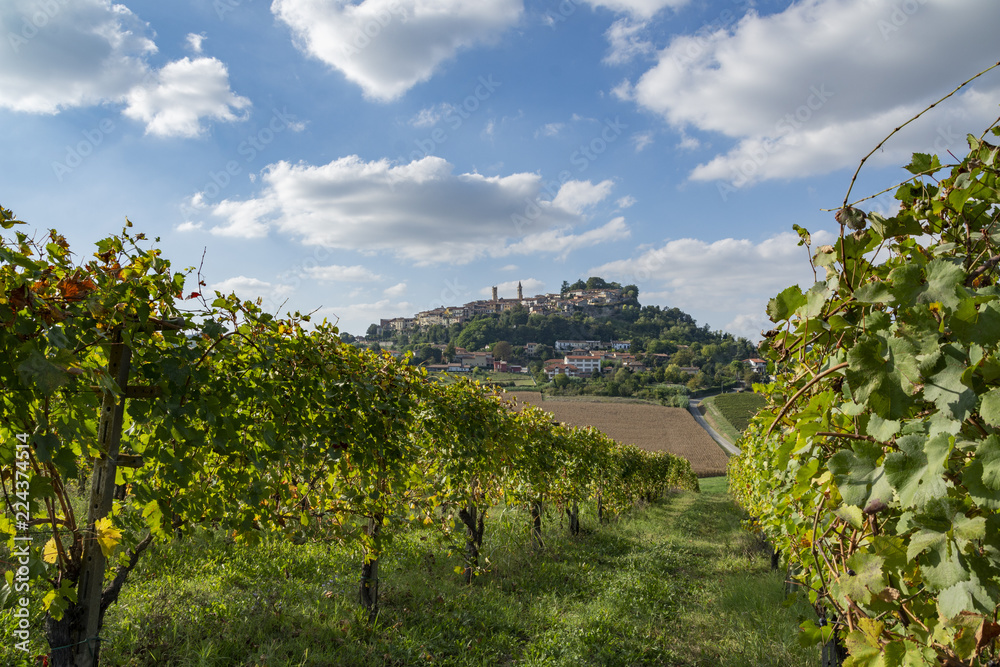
x=107, y=535
x=51, y=552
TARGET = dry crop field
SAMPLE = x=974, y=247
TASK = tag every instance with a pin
x=651, y=427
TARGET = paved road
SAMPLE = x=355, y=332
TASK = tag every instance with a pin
x=725, y=444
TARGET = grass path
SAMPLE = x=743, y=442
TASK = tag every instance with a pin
x=740, y=618
x=678, y=583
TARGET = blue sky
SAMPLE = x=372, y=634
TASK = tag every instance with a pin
x=377, y=158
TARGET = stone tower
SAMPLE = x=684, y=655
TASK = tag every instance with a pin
x=494, y=293
x=520, y=294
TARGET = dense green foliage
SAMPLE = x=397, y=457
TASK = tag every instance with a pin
x=739, y=409
x=228, y=417
x=875, y=467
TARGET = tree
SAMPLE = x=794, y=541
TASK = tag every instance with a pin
x=502, y=350
x=449, y=352
x=561, y=380
x=372, y=331
x=564, y=288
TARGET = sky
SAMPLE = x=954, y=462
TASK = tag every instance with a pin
x=372, y=159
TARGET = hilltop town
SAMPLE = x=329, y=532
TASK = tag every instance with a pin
x=594, y=302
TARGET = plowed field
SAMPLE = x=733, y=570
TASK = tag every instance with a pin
x=651, y=427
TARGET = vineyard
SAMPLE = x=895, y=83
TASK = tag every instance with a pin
x=138, y=411
x=738, y=409
x=875, y=466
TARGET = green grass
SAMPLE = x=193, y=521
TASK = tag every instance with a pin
x=676, y=583
x=738, y=409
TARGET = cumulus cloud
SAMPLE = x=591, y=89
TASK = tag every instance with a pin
x=77, y=54
x=576, y=196
x=397, y=290
x=724, y=279
x=561, y=243
x=421, y=211
x=626, y=42
x=250, y=289
x=389, y=46
x=181, y=95
x=641, y=141
x=194, y=41
x=807, y=90
x=84, y=53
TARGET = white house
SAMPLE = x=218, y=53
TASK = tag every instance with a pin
x=585, y=363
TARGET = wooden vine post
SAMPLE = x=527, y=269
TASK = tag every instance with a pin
x=75, y=639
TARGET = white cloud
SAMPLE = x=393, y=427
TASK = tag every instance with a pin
x=810, y=89
x=509, y=267
x=639, y=8
x=576, y=196
x=623, y=91
x=642, y=140
x=182, y=94
x=194, y=41
x=508, y=289
x=626, y=202
x=626, y=42
x=549, y=130
x=339, y=274
x=85, y=53
x=688, y=143
x=389, y=46
x=749, y=326
x=421, y=211
x=250, y=289
x=79, y=54
x=431, y=116
x=561, y=243
x=397, y=290
x=726, y=278
x=490, y=130
x=188, y=226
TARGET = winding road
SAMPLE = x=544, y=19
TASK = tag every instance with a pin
x=725, y=444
